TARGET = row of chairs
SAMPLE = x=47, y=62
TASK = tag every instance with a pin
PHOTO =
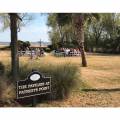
x=30, y=53
x=69, y=54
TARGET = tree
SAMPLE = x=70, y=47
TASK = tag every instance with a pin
x=62, y=31
x=112, y=29
x=14, y=45
x=93, y=34
x=23, y=45
x=77, y=22
x=104, y=34
x=5, y=21
x=79, y=29
x=13, y=20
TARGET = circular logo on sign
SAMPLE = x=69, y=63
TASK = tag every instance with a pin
x=35, y=77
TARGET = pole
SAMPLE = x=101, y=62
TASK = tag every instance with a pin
x=40, y=43
x=34, y=101
x=40, y=47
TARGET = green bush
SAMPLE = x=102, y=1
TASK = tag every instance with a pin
x=47, y=50
x=2, y=69
x=63, y=77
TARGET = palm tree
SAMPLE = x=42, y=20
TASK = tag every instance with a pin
x=14, y=46
x=78, y=21
x=13, y=20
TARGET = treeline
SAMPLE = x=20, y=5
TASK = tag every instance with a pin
x=22, y=45
x=101, y=32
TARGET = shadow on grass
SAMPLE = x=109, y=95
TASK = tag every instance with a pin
x=33, y=101
x=101, y=90
x=104, y=54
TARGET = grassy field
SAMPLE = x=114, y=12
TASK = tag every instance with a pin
x=1, y=46
x=103, y=72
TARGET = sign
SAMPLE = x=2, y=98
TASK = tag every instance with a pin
x=35, y=84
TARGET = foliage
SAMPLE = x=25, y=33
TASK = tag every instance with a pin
x=47, y=50
x=103, y=35
x=23, y=45
x=63, y=77
x=101, y=31
x=62, y=30
x=5, y=20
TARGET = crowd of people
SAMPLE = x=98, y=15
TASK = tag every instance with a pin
x=38, y=52
x=68, y=51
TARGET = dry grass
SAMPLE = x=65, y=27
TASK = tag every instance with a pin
x=1, y=46
x=5, y=57
x=89, y=99
x=103, y=71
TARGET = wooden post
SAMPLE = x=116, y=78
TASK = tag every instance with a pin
x=34, y=101
x=31, y=54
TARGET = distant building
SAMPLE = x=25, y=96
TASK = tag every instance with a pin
x=38, y=46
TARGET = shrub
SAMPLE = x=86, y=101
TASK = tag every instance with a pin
x=7, y=89
x=7, y=93
x=2, y=69
x=47, y=50
x=63, y=77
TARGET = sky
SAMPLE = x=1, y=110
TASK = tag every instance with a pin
x=33, y=31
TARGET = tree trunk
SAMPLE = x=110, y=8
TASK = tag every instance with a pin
x=14, y=47
x=83, y=56
x=79, y=29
